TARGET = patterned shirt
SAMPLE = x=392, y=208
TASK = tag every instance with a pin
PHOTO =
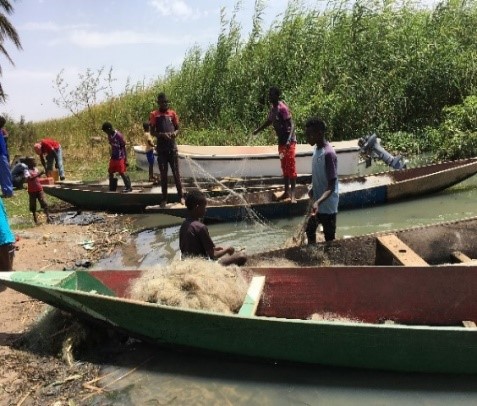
x=281, y=118
x=164, y=122
x=118, y=145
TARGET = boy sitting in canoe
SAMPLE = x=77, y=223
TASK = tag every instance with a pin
x=194, y=238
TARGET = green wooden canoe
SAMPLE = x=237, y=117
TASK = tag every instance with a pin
x=388, y=318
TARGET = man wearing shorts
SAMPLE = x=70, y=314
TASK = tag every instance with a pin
x=281, y=118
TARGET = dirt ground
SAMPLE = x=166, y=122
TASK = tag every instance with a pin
x=46, y=373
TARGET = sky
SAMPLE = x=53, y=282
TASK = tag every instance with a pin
x=138, y=39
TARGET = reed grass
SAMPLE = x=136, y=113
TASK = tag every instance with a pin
x=391, y=67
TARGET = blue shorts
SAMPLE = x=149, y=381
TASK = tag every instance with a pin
x=150, y=157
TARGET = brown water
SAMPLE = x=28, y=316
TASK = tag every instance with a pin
x=167, y=377
x=173, y=378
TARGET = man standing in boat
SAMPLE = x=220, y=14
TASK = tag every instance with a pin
x=164, y=124
x=324, y=190
x=281, y=118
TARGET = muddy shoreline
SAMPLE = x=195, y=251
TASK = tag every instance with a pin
x=48, y=357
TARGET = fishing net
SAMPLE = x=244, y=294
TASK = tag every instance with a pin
x=236, y=195
x=194, y=284
x=329, y=316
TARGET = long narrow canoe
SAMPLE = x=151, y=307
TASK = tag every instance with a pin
x=413, y=319
x=452, y=242
x=250, y=161
x=96, y=196
x=355, y=192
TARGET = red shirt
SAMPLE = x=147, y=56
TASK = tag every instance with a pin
x=164, y=122
x=48, y=145
x=33, y=180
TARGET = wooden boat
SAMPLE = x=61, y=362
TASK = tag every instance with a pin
x=97, y=196
x=250, y=161
x=443, y=243
x=412, y=319
x=355, y=192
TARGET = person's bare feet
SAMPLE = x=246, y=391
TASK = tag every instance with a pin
x=283, y=196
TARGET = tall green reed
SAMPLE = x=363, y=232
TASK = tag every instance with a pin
x=387, y=66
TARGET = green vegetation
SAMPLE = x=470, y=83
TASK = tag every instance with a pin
x=7, y=32
x=405, y=72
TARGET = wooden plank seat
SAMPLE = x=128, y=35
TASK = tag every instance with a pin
x=460, y=257
x=252, y=298
x=390, y=249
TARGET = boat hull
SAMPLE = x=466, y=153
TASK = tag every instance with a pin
x=428, y=305
x=97, y=196
x=249, y=161
x=355, y=192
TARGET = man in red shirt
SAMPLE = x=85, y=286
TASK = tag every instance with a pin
x=51, y=150
x=164, y=124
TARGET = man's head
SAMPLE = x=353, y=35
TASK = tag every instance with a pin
x=37, y=148
x=2, y=121
x=274, y=95
x=30, y=162
x=162, y=102
x=315, y=129
x=196, y=203
x=108, y=128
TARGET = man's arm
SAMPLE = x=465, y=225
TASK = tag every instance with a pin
x=219, y=252
x=43, y=162
x=262, y=127
x=326, y=194
x=122, y=145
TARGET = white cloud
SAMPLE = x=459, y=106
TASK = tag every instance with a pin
x=99, y=39
x=27, y=75
x=173, y=8
x=50, y=26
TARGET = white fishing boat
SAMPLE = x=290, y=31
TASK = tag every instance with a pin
x=250, y=161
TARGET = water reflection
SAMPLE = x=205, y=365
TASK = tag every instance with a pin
x=177, y=378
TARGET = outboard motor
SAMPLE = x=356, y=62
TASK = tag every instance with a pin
x=371, y=147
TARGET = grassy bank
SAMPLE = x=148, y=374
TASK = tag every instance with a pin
x=389, y=67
